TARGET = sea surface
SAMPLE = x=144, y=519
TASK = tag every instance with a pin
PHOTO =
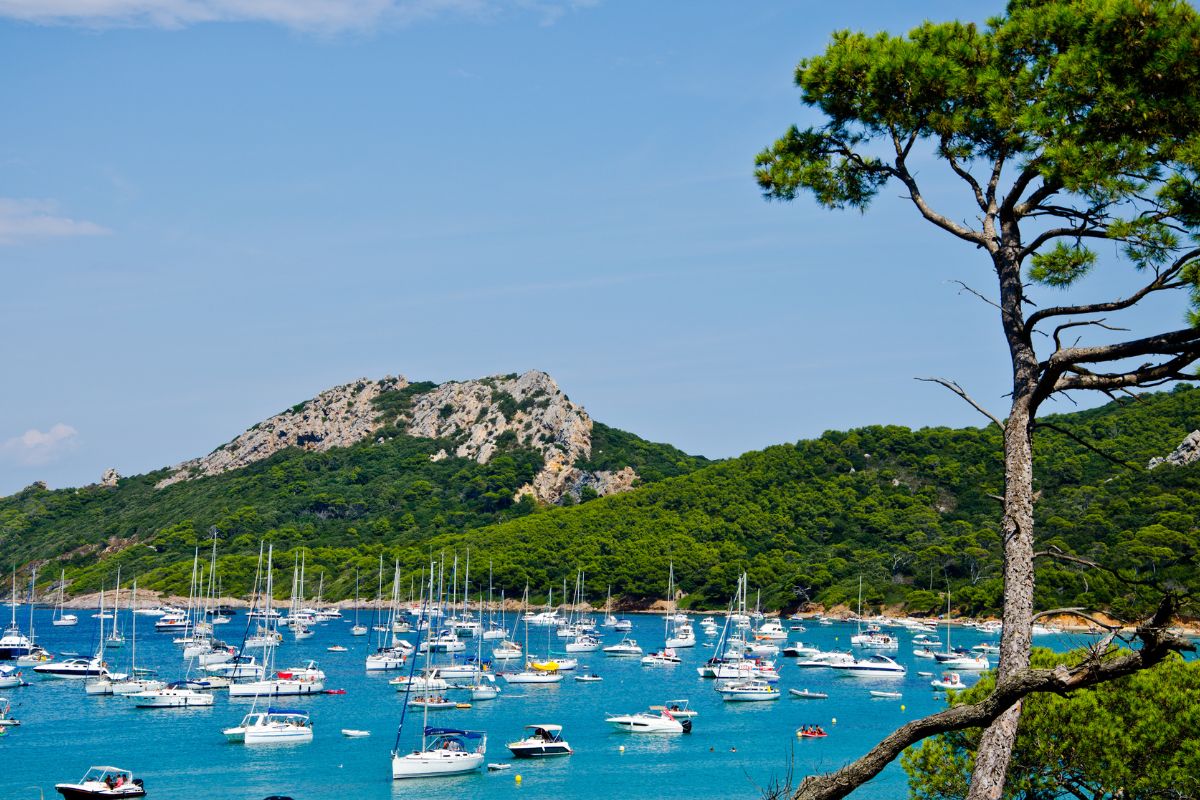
x=735, y=749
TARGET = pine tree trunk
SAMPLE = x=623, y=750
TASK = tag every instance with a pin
x=1016, y=530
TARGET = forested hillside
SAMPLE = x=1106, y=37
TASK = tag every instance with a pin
x=909, y=511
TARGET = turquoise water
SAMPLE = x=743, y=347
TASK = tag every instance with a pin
x=736, y=749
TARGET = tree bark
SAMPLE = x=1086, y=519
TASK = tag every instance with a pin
x=1016, y=527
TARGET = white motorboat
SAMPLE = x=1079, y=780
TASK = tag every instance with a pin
x=445, y=642
x=181, y=694
x=950, y=682
x=543, y=741
x=432, y=702
x=924, y=652
x=623, y=626
x=663, y=658
x=875, y=665
x=646, y=722
x=337, y=648
x=102, y=782
x=444, y=751
x=771, y=630
x=6, y=721
x=239, y=666
x=800, y=650
x=430, y=680
x=355, y=733
x=747, y=691
x=272, y=726
x=875, y=641
x=626, y=648
x=10, y=677
x=885, y=695
x=583, y=644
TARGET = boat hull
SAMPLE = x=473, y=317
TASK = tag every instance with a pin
x=434, y=764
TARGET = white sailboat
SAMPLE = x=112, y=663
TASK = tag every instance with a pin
x=61, y=618
x=443, y=751
x=115, y=638
x=275, y=725
x=357, y=630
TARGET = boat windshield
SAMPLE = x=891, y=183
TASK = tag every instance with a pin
x=106, y=775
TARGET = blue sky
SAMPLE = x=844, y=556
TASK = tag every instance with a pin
x=213, y=209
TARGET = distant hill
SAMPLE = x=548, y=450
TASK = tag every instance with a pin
x=909, y=511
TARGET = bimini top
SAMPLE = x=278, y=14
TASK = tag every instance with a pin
x=453, y=732
x=547, y=728
x=287, y=711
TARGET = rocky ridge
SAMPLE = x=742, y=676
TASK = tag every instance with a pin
x=481, y=416
x=1187, y=452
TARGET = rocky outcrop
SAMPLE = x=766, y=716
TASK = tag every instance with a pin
x=481, y=417
x=110, y=478
x=339, y=417
x=1187, y=452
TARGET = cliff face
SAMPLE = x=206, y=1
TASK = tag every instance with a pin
x=1187, y=453
x=480, y=416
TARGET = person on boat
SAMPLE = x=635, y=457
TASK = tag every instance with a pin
x=119, y=782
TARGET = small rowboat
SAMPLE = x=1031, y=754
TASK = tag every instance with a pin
x=888, y=695
x=352, y=733
x=805, y=694
x=337, y=648
x=588, y=678
x=496, y=766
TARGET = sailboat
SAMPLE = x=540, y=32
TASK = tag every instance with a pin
x=115, y=638
x=357, y=630
x=534, y=672
x=666, y=656
x=443, y=751
x=61, y=618
x=304, y=680
x=15, y=644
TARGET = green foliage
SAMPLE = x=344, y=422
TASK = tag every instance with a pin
x=1134, y=737
x=910, y=511
x=614, y=449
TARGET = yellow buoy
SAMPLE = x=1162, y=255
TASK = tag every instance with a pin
x=835, y=720
x=621, y=748
x=901, y=708
x=518, y=779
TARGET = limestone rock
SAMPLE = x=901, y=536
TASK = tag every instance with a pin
x=110, y=477
x=1187, y=453
x=338, y=417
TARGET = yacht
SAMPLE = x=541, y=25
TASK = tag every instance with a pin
x=645, y=722
x=308, y=679
x=272, y=725
x=535, y=673
x=663, y=658
x=968, y=663
x=825, y=660
x=73, y=668
x=626, y=648
x=771, y=630
x=875, y=665
x=543, y=741
x=386, y=659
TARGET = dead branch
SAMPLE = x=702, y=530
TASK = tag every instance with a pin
x=958, y=390
x=977, y=293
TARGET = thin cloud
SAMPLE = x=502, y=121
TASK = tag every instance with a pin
x=22, y=220
x=36, y=448
x=305, y=15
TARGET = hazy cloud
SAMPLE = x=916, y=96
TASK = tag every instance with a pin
x=35, y=448
x=310, y=15
x=21, y=220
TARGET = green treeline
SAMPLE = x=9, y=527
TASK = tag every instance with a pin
x=912, y=512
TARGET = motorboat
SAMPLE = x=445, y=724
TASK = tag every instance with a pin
x=800, y=650
x=771, y=630
x=14, y=643
x=646, y=722
x=875, y=665
x=444, y=751
x=885, y=695
x=589, y=678
x=663, y=658
x=445, y=642
x=272, y=725
x=623, y=626
x=542, y=741
x=949, y=682
x=924, y=652
x=747, y=691
x=626, y=648
x=102, y=782
x=10, y=677
x=73, y=668
x=239, y=666
x=740, y=669
x=684, y=635
x=584, y=643
x=805, y=694
x=355, y=733
x=171, y=623
x=337, y=648
x=180, y=694
x=875, y=641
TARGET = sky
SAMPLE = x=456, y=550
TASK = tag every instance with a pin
x=211, y=210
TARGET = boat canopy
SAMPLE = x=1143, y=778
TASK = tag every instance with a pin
x=287, y=711
x=453, y=732
x=549, y=728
